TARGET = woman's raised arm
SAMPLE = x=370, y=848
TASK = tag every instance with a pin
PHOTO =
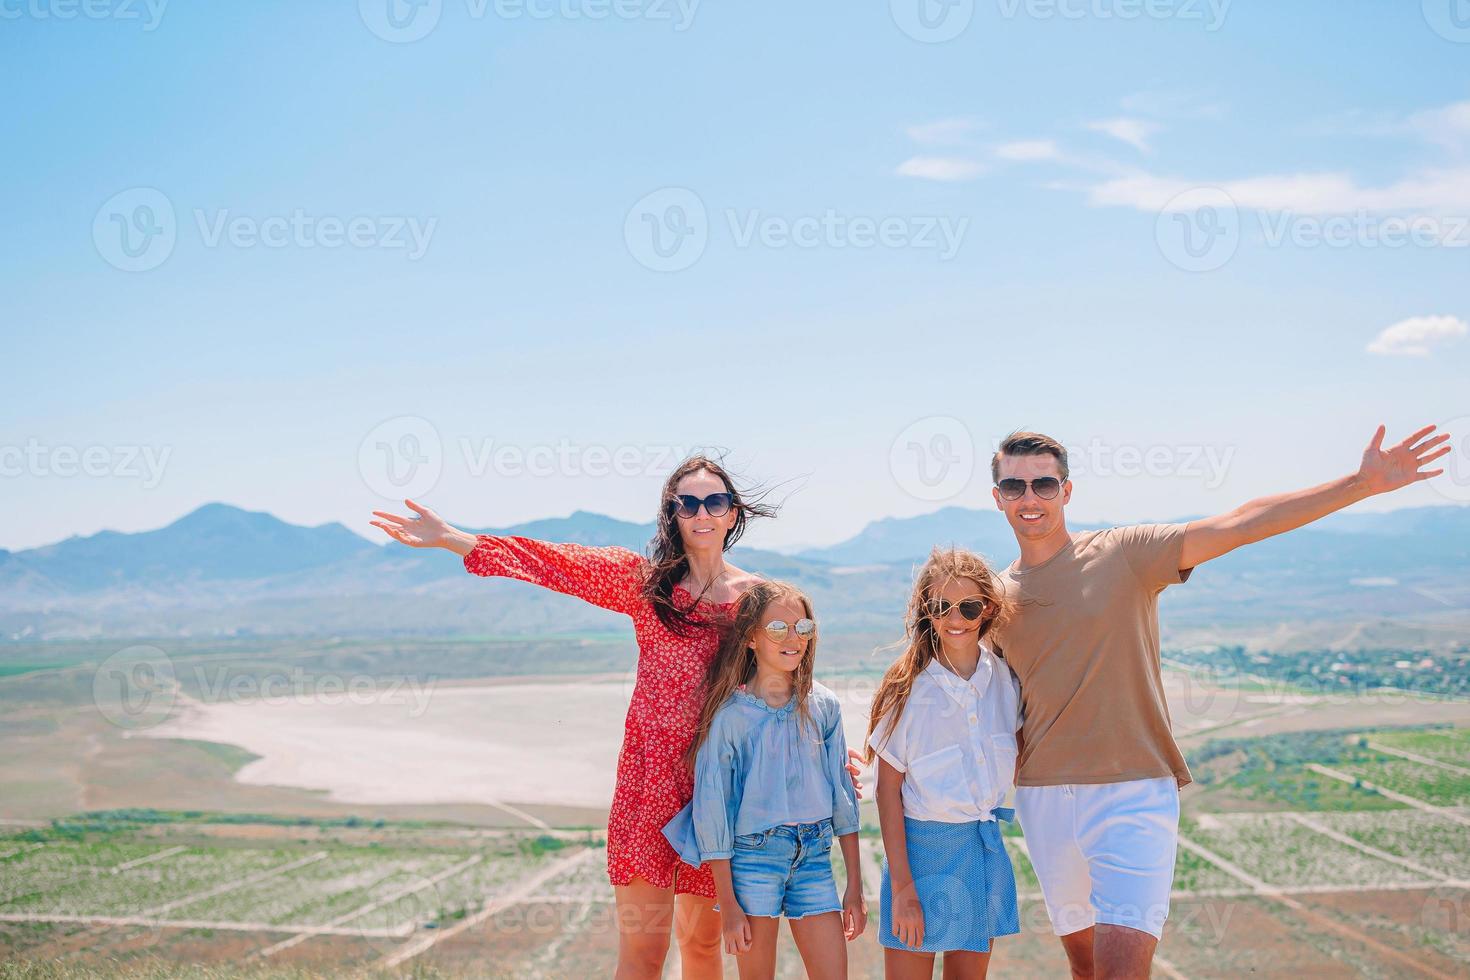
x=610, y=577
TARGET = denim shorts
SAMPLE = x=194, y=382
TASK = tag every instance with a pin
x=785, y=870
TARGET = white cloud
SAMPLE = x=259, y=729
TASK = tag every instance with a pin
x=1448, y=126
x=1415, y=336
x=1134, y=132
x=1028, y=150
x=940, y=168
x=943, y=132
x=1445, y=191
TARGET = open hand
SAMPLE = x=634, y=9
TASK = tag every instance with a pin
x=427, y=530
x=1385, y=470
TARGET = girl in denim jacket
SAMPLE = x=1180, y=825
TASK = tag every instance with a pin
x=771, y=790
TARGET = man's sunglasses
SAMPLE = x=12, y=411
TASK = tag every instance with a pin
x=715, y=505
x=1045, y=487
x=971, y=609
x=777, y=629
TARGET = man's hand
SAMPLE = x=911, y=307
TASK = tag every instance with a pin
x=1402, y=465
x=1380, y=472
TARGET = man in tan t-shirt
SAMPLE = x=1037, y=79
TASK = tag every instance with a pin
x=1097, y=792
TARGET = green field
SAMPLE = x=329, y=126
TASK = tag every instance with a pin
x=222, y=870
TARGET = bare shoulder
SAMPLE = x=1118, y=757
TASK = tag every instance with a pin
x=736, y=582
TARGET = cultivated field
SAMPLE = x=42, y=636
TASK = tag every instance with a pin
x=1324, y=836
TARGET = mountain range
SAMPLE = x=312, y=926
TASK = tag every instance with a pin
x=224, y=571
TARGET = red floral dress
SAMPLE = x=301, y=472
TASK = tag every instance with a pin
x=653, y=782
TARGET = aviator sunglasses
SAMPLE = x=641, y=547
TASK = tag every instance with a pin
x=1045, y=487
x=715, y=505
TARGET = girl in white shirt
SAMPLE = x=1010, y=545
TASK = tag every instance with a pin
x=944, y=727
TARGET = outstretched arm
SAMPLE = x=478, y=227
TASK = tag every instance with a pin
x=610, y=577
x=1381, y=471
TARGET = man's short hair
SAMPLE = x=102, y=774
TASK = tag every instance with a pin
x=1028, y=444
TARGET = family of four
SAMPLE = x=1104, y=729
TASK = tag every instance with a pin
x=1043, y=678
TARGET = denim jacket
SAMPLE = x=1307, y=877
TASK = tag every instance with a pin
x=759, y=768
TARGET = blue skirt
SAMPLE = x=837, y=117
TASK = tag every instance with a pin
x=965, y=885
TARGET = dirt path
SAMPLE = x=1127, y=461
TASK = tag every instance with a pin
x=1412, y=801
x=1272, y=893
x=365, y=909
x=524, y=890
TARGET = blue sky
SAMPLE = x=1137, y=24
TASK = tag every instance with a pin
x=895, y=250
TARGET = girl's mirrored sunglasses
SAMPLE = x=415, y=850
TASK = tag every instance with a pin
x=776, y=629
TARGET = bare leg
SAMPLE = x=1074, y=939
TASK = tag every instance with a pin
x=903, y=964
x=697, y=928
x=822, y=945
x=645, y=918
x=961, y=964
x=759, y=962
x=1079, y=952
x=1121, y=953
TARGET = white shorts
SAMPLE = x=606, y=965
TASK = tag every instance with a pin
x=1104, y=852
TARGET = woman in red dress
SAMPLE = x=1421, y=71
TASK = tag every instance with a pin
x=677, y=599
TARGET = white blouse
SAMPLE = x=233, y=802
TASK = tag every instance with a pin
x=955, y=741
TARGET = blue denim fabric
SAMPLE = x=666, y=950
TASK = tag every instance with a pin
x=761, y=767
x=785, y=870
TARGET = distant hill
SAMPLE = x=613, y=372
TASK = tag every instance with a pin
x=1366, y=543
x=222, y=570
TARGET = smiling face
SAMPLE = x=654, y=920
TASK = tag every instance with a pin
x=954, y=630
x=1030, y=516
x=784, y=654
x=702, y=531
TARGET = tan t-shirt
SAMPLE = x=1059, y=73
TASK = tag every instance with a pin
x=1084, y=643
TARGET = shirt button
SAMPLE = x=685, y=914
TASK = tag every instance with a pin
x=973, y=719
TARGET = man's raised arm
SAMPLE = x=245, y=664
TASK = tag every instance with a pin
x=1381, y=471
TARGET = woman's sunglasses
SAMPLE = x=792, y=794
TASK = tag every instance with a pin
x=1045, y=487
x=715, y=505
x=777, y=629
x=971, y=609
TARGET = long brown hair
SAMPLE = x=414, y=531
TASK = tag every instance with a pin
x=734, y=662
x=668, y=564
x=921, y=639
